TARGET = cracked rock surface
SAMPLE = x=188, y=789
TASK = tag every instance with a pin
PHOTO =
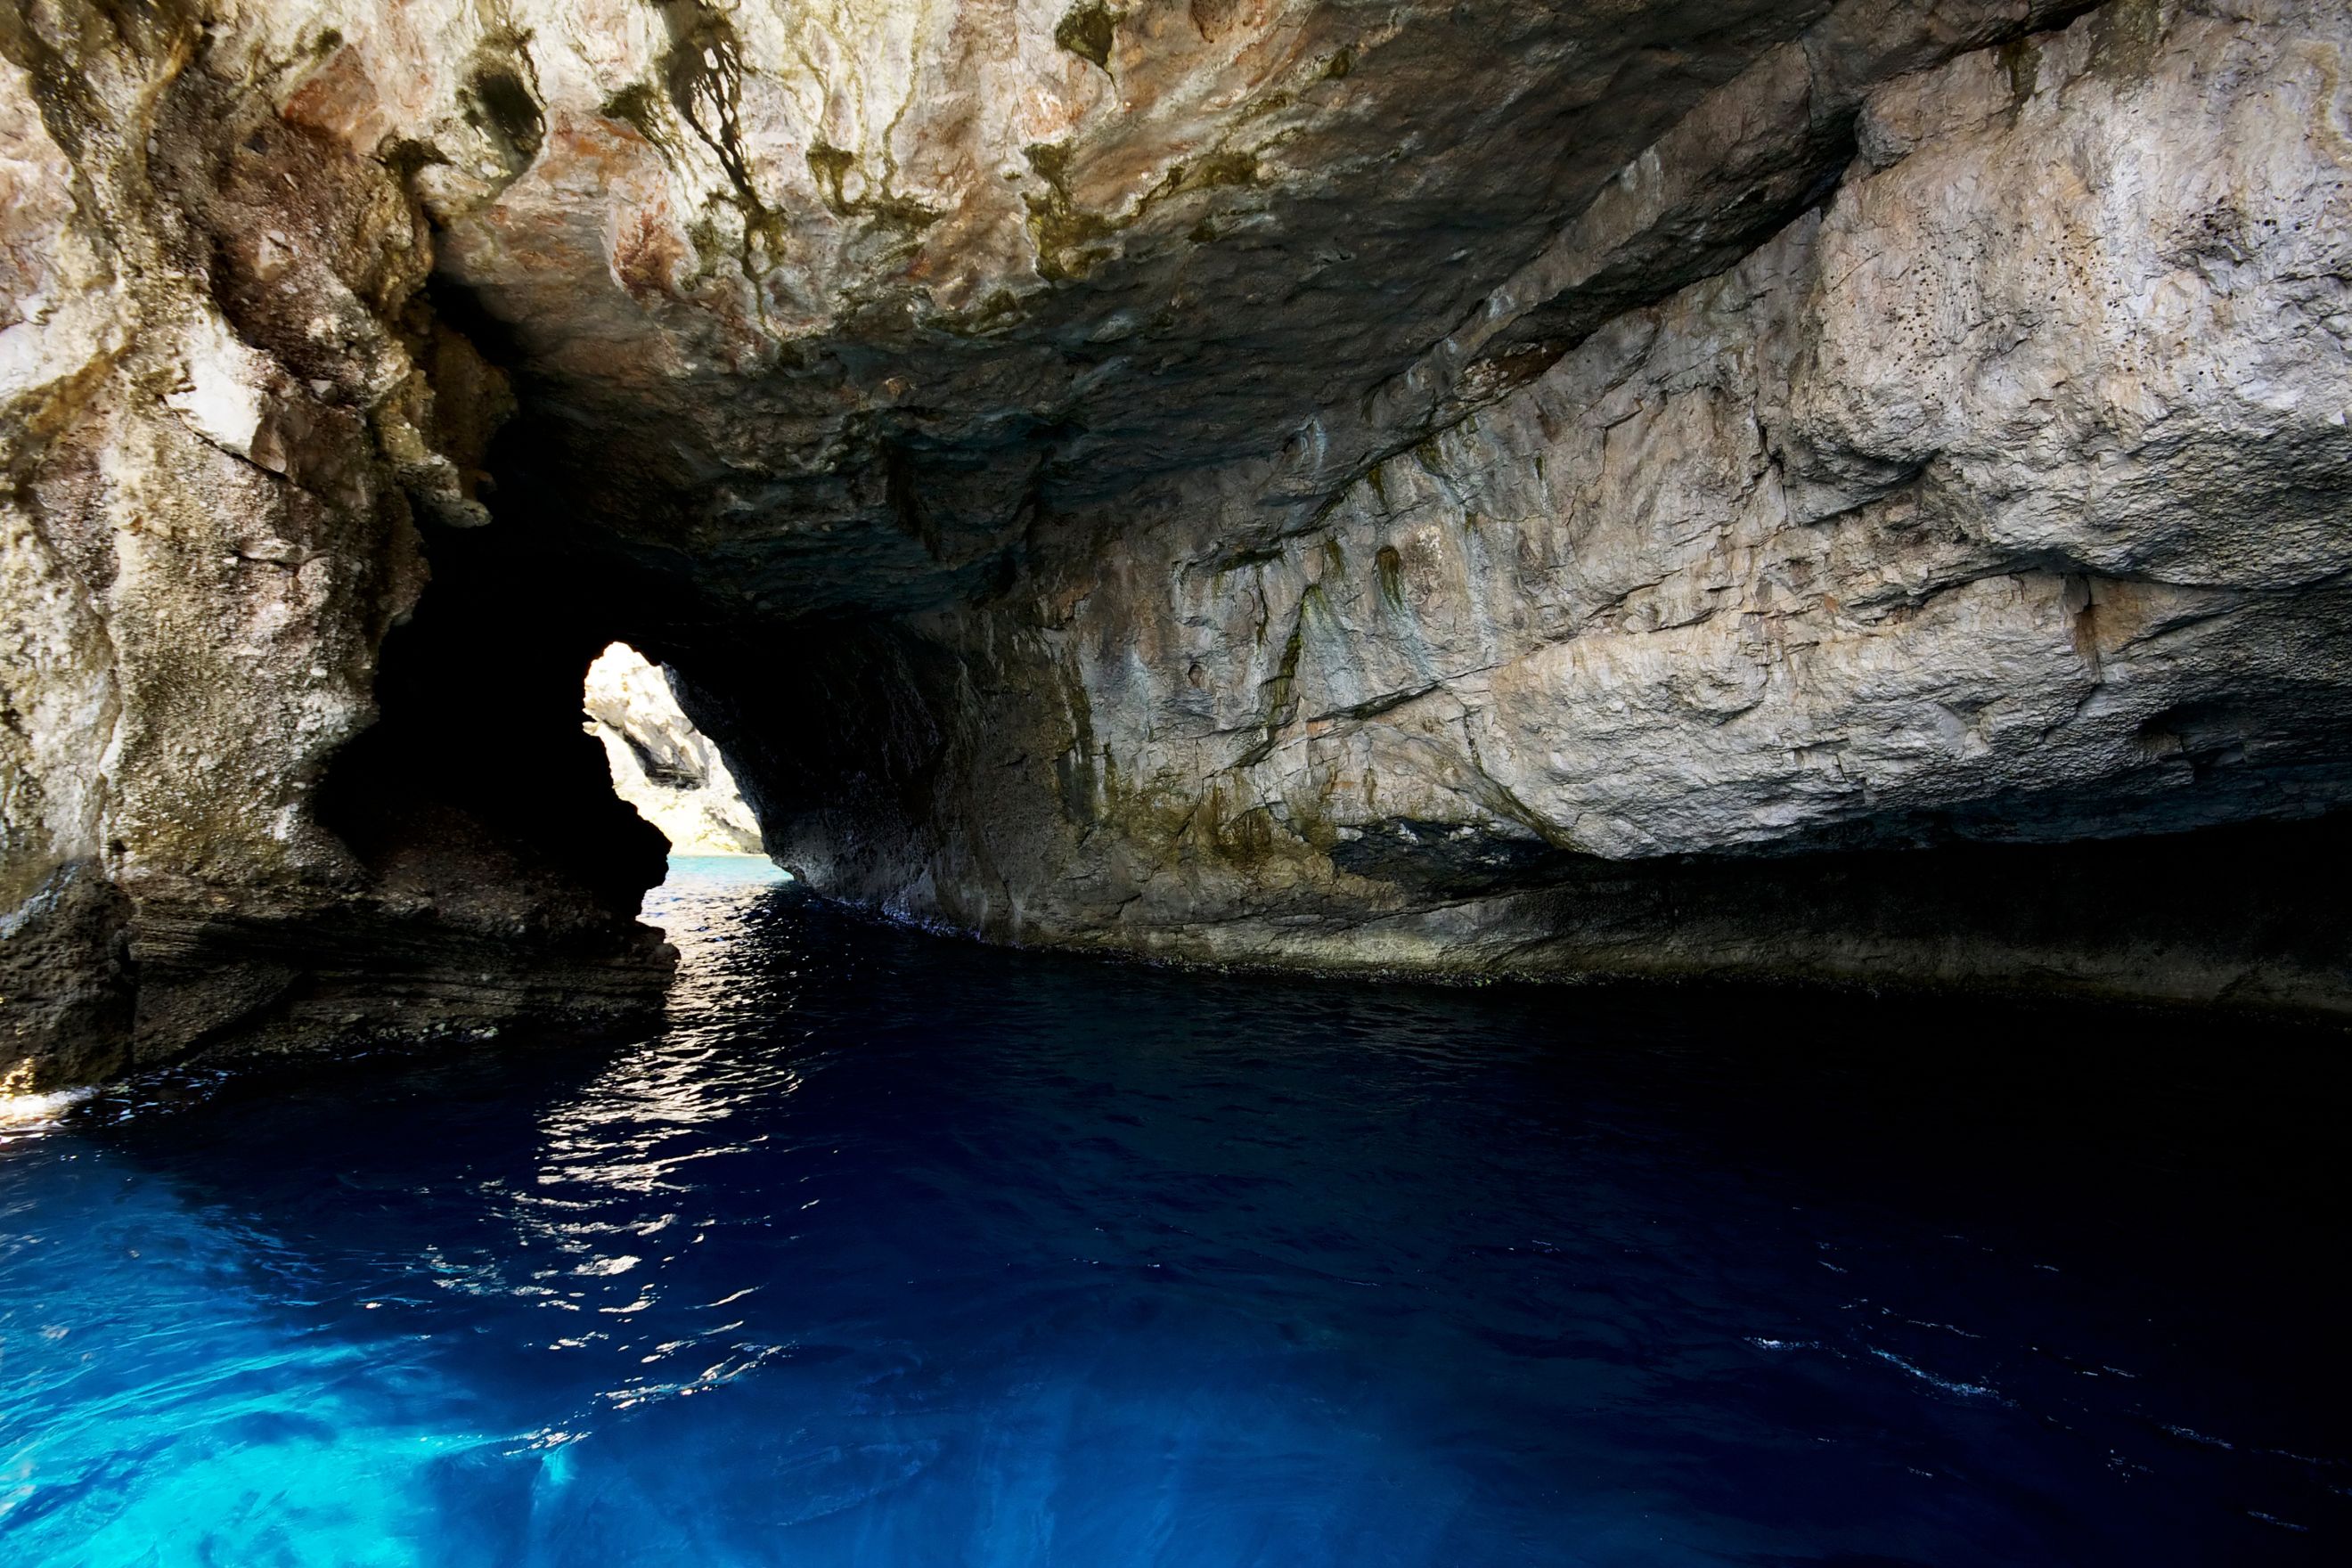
x=1848, y=491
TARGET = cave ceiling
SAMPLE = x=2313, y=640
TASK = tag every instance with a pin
x=826, y=306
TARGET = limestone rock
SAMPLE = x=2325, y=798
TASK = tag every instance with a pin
x=2005, y=498
x=1658, y=486
x=661, y=764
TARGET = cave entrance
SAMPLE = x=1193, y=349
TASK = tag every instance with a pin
x=667, y=770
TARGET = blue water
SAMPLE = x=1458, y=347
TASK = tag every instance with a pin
x=898, y=1252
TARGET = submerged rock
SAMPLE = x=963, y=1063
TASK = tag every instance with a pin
x=1855, y=491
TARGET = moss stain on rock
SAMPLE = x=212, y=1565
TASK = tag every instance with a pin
x=1389, y=566
x=1279, y=702
x=1069, y=239
x=2124, y=38
x=1087, y=31
x=830, y=165
x=1001, y=310
x=502, y=108
x=636, y=106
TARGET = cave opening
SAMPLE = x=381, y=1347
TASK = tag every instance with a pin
x=479, y=749
x=1171, y=543
x=667, y=770
x=1633, y=719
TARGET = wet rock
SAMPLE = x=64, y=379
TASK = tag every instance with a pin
x=67, y=982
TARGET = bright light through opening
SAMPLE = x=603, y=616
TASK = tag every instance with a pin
x=665, y=767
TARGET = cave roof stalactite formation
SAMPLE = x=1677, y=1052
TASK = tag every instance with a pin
x=1488, y=488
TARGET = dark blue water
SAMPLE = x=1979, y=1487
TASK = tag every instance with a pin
x=897, y=1252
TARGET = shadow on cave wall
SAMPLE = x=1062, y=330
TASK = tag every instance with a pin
x=503, y=874
x=477, y=787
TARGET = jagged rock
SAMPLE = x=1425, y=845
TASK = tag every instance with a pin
x=66, y=981
x=661, y=764
x=2004, y=498
x=1467, y=487
x=221, y=414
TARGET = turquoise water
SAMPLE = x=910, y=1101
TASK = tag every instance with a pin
x=894, y=1251
x=696, y=876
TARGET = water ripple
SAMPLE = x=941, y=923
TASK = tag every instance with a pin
x=888, y=1251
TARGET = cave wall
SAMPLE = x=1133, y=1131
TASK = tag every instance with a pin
x=226, y=418
x=2001, y=500
x=1841, y=488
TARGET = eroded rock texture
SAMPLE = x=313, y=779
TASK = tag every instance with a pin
x=1853, y=490
x=222, y=421
x=1999, y=499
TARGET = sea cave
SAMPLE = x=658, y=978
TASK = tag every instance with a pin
x=1193, y=785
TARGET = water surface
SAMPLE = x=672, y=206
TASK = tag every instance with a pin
x=898, y=1252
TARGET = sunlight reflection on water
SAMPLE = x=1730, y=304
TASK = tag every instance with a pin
x=899, y=1253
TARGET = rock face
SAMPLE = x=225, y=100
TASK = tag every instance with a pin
x=662, y=765
x=1850, y=490
x=222, y=421
x=2002, y=499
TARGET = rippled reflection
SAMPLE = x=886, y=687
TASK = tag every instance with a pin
x=892, y=1251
